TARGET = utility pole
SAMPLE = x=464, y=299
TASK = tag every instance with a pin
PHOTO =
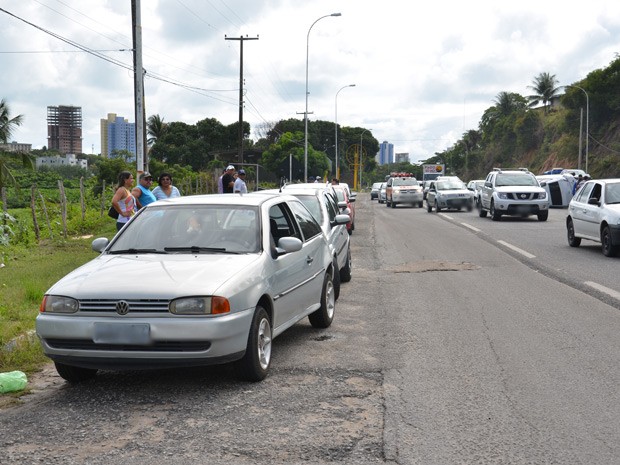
x=138, y=80
x=241, y=39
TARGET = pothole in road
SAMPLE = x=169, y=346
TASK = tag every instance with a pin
x=434, y=265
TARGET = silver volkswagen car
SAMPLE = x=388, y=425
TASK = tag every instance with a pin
x=191, y=281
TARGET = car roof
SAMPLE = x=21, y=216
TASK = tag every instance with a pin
x=218, y=199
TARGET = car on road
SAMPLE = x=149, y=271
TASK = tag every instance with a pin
x=403, y=189
x=346, y=203
x=189, y=281
x=476, y=187
x=594, y=214
x=514, y=192
x=374, y=190
x=449, y=194
x=321, y=201
x=382, y=197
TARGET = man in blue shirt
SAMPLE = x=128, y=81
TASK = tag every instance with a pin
x=142, y=192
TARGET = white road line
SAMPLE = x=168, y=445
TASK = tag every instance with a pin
x=446, y=216
x=517, y=249
x=471, y=227
x=606, y=290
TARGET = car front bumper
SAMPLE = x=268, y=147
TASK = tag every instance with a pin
x=510, y=208
x=106, y=342
x=407, y=197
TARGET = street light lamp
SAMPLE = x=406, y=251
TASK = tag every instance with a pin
x=336, y=124
x=587, y=121
x=306, y=112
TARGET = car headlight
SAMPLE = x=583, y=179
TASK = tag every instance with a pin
x=542, y=195
x=59, y=304
x=503, y=195
x=200, y=306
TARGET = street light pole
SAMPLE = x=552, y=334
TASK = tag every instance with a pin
x=306, y=112
x=336, y=124
x=587, y=120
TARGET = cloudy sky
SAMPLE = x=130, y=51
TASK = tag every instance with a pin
x=424, y=72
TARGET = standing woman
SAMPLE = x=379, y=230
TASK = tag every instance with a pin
x=124, y=203
x=165, y=189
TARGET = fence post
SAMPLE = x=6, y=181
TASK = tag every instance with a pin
x=33, y=208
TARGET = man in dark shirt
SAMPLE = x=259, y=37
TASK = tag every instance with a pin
x=228, y=180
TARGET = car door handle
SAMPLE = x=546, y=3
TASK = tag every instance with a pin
x=309, y=259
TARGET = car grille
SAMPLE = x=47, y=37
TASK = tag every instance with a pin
x=160, y=346
x=523, y=196
x=134, y=306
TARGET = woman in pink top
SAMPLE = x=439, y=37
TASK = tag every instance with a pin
x=124, y=203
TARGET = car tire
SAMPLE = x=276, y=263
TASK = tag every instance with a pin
x=345, y=271
x=437, y=207
x=495, y=215
x=337, y=278
x=420, y=205
x=392, y=204
x=482, y=213
x=608, y=249
x=255, y=363
x=323, y=317
x=74, y=374
x=570, y=233
x=542, y=216
x=470, y=207
x=429, y=207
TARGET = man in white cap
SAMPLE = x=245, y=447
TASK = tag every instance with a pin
x=228, y=180
x=240, y=186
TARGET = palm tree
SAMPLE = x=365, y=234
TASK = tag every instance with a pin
x=7, y=126
x=545, y=86
x=155, y=128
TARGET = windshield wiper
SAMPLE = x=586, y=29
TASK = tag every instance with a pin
x=197, y=249
x=134, y=251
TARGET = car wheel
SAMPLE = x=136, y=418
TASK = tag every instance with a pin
x=255, y=363
x=570, y=232
x=420, y=205
x=392, y=204
x=482, y=213
x=324, y=316
x=437, y=207
x=470, y=207
x=345, y=271
x=609, y=250
x=429, y=207
x=495, y=215
x=542, y=216
x=337, y=279
x=74, y=374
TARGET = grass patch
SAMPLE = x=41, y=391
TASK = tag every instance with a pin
x=26, y=275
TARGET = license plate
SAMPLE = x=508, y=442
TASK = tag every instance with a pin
x=122, y=333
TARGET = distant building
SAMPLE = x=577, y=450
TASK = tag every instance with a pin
x=16, y=147
x=57, y=160
x=117, y=134
x=64, y=129
x=402, y=158
x=386, y=153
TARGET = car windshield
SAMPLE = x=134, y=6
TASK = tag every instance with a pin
x=450, y=185
x=313, y=205
x=612, y=193
x=191, y=229
x=405, y=182
x=515, y=179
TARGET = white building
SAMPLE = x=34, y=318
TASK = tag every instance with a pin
x=68, y=160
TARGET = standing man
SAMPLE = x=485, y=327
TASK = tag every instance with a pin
x=240, y=186
x=228, y=180
x=142, y=192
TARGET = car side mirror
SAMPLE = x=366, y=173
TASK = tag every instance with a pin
x=594, y=201
x=288, y=245
x=99, y=244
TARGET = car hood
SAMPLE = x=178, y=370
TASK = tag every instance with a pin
x=456, y=192
x=154, y=276
x=519, y=189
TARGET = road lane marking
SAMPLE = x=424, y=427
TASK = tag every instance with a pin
x=446, y=216
x=471, y=227
x=606, y=290
x=517, y=249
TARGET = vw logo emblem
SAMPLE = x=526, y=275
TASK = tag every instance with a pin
x=122, y=307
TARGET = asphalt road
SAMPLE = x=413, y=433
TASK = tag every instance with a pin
x=447, y=347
